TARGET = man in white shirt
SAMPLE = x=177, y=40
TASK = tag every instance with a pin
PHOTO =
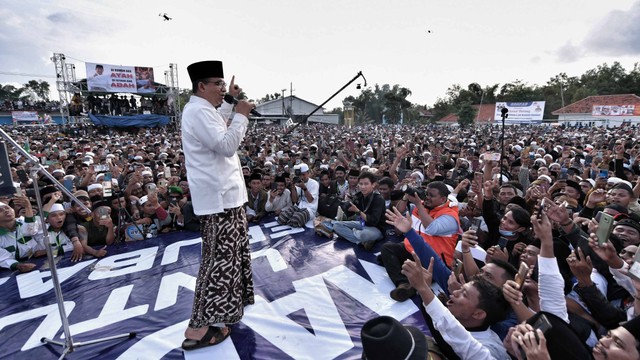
x=464, y=322
x=278, y=198
x=305, y=197
x=224, y=284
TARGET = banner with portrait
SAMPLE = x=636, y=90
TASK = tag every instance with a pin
x=521, y=112
x=117, y=78
x=615, y=110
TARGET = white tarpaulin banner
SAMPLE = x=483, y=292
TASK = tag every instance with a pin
x=615, y=110
x=521, y=112
x=117, y=78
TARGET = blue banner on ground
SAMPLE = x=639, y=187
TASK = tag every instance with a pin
x=144, y=120
x=312, y=297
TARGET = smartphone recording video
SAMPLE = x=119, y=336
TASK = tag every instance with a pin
x=521, y=276
x=605, y=226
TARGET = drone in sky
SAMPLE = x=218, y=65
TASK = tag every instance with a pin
x=165, y=16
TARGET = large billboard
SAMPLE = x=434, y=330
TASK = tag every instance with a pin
x=615, y=110
x=521, y=112
x=116, y=78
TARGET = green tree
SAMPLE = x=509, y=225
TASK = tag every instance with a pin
x=36, y=90
x=268, y=97
x=583, y=92
x=607, y=80
x=466, y=114
x=441, y=108
x=10, y=92
x=387, y=100
x=518, y=91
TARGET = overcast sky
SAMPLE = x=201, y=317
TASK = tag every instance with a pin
x=319, y=46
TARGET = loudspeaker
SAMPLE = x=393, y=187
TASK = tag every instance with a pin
x=6, y=181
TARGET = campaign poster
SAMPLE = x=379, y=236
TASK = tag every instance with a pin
x=521, y=112
x=117, y=78
x=615, y=110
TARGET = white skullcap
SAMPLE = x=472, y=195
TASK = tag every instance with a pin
x=545, y=177
x=94, y=186
x=420, y=175
x=56, y=207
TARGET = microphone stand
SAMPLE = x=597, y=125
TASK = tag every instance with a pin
x=306, y=117
x=505, y=115
x=68, y=346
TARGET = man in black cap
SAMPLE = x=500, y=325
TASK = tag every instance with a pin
x=342, y=184
x=224, y=284
x=257, y=198
x=574, y=191
x=352, y=181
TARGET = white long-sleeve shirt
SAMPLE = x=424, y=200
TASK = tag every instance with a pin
x=551, y=288
x=210, y=147
x=473, y=345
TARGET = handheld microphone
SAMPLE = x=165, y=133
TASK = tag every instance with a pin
x=231, y=100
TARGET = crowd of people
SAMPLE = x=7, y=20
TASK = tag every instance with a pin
x=117, y=105
x=514, y=238
x=29, y=105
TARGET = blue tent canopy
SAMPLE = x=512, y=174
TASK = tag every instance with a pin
x=146, y=120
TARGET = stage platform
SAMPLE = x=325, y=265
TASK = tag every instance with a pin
x=312, y=297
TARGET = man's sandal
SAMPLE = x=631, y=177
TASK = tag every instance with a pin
x=212, y=332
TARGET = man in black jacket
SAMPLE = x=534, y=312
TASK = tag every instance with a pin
x=369, y=207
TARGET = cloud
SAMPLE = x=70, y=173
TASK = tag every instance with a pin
x=60, y=17
x=617, y=34
x=568, y=53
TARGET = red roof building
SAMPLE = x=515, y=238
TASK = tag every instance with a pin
x=601, y=110
x=484, y=115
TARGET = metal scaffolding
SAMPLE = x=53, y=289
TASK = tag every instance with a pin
x=65, y=83
x=173, y=93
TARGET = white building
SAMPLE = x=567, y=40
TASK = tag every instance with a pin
x=280, y=110
x=601, y=110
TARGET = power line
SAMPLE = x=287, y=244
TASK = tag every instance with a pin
x=26, y=74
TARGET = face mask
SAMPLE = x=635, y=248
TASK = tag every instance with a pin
x=507, y=233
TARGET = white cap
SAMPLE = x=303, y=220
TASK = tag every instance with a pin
x=545, y=177
x=94, y=186
x=420, y=175
x=304, y=168
x=56, y=207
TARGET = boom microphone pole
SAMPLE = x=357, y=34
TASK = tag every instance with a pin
x=505, y=115
x=306, y=117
